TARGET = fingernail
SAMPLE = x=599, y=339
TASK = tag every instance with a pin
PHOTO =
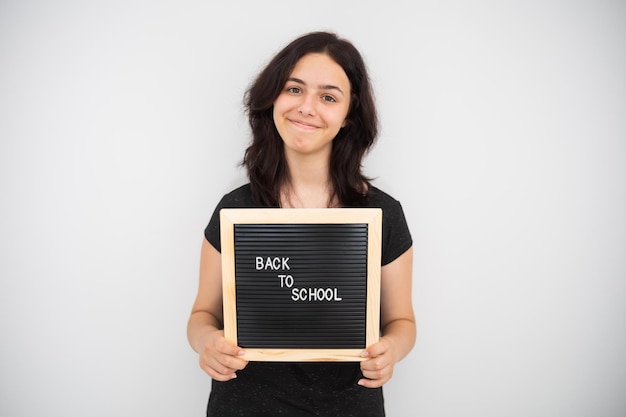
x=233, y=376
x=241, y=353
x=365, y=354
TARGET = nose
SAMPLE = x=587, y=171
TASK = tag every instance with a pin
x=307, y=105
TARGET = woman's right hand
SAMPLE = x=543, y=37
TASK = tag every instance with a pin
x=220, y=359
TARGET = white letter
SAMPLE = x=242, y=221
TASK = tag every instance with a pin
x=288, y=281
x=285, y=266
x=276, y=264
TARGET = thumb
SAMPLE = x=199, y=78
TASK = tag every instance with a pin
x=376, y=349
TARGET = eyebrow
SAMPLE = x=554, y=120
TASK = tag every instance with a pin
x=321, y=87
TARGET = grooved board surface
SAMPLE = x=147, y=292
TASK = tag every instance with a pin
x=301, y=285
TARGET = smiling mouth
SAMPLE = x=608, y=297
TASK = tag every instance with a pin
x=303, y=125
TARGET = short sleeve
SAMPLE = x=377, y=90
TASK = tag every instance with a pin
x=212, y=231
x=240, y=197
x=396, y=234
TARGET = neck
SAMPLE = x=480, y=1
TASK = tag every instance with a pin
x=309, y=184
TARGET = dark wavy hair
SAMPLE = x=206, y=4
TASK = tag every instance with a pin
x=264, y=158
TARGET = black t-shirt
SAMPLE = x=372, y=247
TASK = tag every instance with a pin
x=396, y=236
x=296, y=389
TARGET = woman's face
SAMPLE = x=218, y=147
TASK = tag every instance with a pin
x=312, y=106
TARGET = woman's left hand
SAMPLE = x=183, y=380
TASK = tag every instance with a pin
x=397, y=323
x=378, y=368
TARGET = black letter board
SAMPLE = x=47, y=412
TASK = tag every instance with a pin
x=301, y=284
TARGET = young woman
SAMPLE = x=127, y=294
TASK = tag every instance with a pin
x=313, y=118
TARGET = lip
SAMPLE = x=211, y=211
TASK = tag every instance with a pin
x=303, y=125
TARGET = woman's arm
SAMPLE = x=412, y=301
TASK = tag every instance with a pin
x=218, y=358
x=397, y=322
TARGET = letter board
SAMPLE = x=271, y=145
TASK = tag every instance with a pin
x=301, y=284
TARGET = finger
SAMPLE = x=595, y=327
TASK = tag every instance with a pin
x=376, y=367
x=379, y=359
x=234, y=363
x=227, y=348
x=376, y=371
x=227, y=356
x=376, y=349
x=219, y=376
x=371, y=383
x=376, y=378
x=215, y=369
x=223, y=367
x=225, y=364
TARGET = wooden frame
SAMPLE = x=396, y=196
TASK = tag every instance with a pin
x=372, y=217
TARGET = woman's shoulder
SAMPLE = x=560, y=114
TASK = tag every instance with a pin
x=239, y=197
x=392, y=208
x=380, y=198
x=396, y=234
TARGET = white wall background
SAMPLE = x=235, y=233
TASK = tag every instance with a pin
x=504, y=136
